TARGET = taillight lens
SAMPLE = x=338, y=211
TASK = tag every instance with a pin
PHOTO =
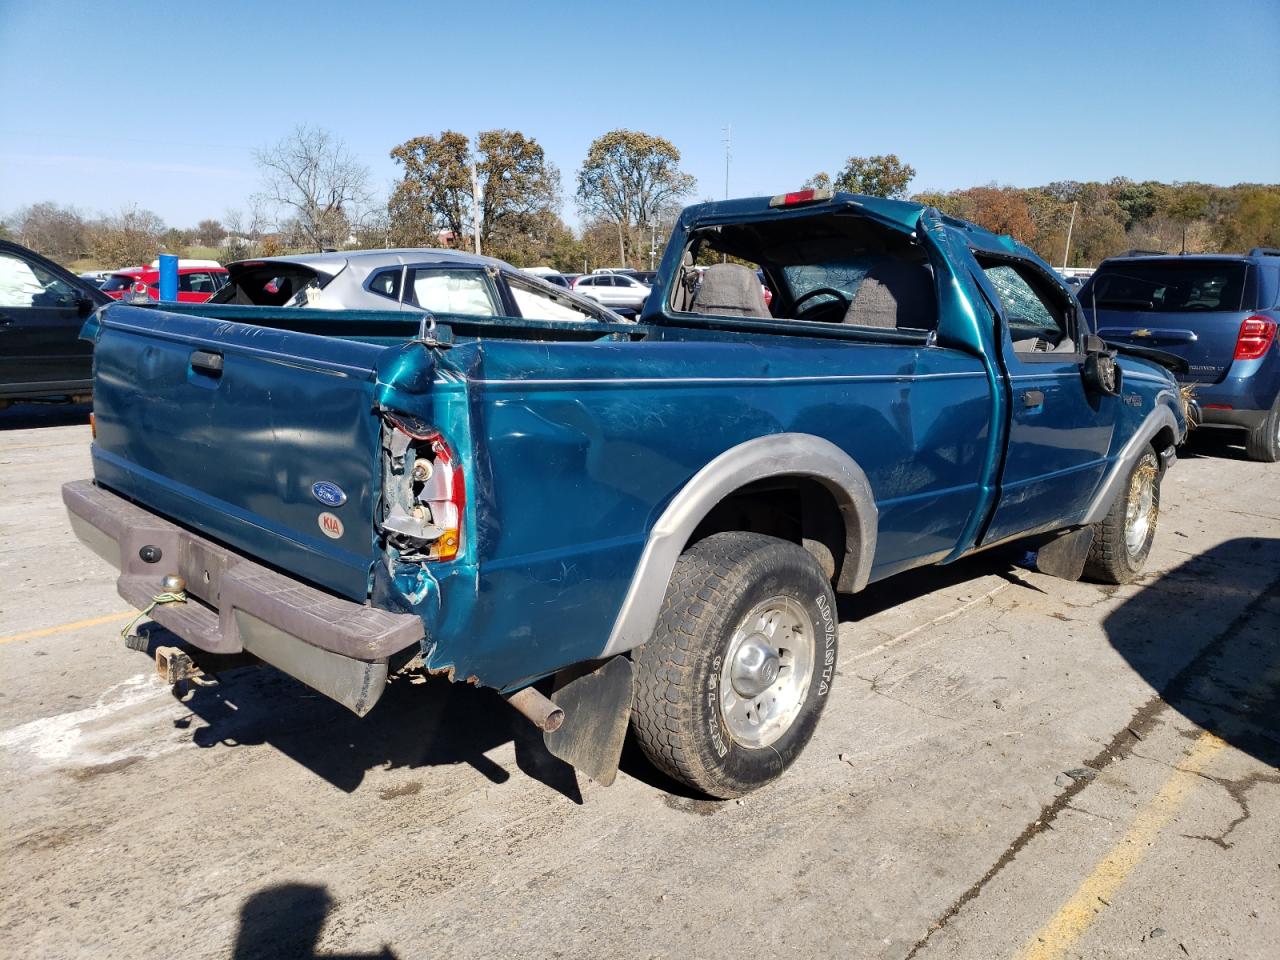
x=1256, y=334
x=448, y=509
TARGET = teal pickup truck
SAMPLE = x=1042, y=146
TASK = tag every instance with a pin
x=652, y=517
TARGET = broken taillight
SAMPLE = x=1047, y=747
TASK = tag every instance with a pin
x=424, y=492
x=1256, y=334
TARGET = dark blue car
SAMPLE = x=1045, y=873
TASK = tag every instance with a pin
x=1217, y=312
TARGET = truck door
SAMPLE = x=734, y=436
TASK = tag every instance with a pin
x=40, y=319
x=1060, y=431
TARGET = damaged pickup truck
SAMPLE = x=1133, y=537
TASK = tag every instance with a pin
x=654, y=518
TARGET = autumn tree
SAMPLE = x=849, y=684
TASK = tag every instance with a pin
x=1185, y=206
x=129, y=238
x=1253, y=220
x=999, y=209
x=310, y=177
x=519, y=190
x=631, y=180
x=880, y=176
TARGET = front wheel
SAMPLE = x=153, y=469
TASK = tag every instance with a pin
x=730, y=687
x=1122, y=540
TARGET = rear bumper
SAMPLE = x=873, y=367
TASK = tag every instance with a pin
x=334, y=645
x=1248, y=419
x=1247, y=392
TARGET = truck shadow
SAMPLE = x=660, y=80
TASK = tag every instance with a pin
x=430, y=724
x=29, y=416
x=284, y=923
x=1222, y=674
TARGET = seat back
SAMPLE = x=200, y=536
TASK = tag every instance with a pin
x=894, y=293
x=730, y=289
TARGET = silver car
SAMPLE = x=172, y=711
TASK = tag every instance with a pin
x=441, y=281
x=612, y=289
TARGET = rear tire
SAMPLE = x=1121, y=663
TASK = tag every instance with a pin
x=731, y=685
x=1263, y=443
x=1122, y=540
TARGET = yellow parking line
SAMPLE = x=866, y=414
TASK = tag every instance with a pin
x=1075, y=917
x=67, y=627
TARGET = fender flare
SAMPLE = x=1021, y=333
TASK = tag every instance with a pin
x=1158, y=419
x=779, y=454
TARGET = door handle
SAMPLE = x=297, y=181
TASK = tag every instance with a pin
x=207, y=361
x=1033, y=398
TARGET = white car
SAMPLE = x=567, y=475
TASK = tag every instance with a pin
x=612, y=290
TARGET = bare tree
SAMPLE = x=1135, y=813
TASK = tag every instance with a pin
x=60, y=233
x=311, y=175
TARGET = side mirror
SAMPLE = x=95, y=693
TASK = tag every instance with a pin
x=1100, y=371
x=84, y=306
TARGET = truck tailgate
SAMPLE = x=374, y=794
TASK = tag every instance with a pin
x=228, y=428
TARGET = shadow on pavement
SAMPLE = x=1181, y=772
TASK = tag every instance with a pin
x=1221, y=674
x=913, y=584
x=1214, y=444
x=436, y=723
x=29, y=416
x=284, y=923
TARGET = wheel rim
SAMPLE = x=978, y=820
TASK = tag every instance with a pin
x=767, y=670
x=1140, y=515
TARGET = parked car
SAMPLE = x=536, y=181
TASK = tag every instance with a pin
x=658, y=516
x=42, y=308
x=612, y=289
x=198, y=281
x=551, y=276
x=442, y=281
x=1219, y=313
x=96, y=277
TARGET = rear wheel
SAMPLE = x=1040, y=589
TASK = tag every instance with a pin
x=731, y=685
x=1263, y=442
x=1122, y=541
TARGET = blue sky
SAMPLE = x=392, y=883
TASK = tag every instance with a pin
x=162, y=104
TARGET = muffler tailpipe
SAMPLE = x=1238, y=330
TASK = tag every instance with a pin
x=541, y=711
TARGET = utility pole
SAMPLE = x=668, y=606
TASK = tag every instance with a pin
x=653, y=243
x=476, y=210
x=728, y=152
x=1070, y=227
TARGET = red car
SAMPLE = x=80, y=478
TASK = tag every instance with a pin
x=198, y=280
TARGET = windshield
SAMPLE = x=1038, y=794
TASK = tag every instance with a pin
x=842, y=275
x=119, y=281
x=1168, y=286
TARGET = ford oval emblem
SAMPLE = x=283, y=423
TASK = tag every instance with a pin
x=330, y=494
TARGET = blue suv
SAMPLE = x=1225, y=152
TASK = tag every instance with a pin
x=1219, y=313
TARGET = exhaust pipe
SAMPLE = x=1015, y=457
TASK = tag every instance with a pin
x=541, y=711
